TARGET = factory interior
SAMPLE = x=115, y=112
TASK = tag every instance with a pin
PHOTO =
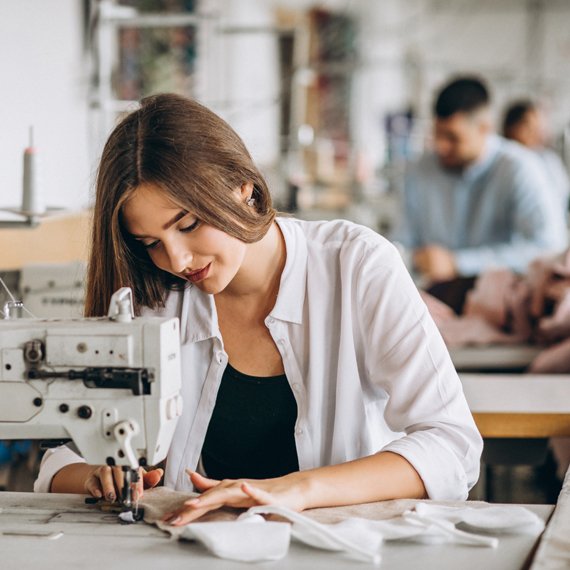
x=300, y=264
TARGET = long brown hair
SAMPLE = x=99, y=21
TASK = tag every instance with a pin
x=198, y=160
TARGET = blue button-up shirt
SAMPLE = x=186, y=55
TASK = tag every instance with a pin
x=497, y=212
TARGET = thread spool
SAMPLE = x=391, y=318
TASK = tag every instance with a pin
x=31, y=200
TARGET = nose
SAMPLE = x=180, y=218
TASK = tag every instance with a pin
x=179, y=257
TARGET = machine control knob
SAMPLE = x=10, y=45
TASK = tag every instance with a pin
x=84, y=412
x=34, y=351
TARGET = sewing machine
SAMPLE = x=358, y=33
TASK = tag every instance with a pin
x=110, y=384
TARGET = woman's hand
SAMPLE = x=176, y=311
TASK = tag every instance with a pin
x=242, y=493
x=105, y=481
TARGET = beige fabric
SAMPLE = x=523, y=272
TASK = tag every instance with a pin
x=162, y=500
x=473, y=331
x=157, y=502
x=381, y=510
x=496, y=312
x=488, y=298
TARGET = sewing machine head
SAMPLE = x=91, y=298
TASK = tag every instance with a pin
x=111, y=384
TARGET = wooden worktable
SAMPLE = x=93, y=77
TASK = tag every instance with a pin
x=59, y=238
x=519, y=405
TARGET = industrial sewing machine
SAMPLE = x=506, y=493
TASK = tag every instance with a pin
x=110, y=384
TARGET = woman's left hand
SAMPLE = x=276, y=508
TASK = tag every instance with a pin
x=240, y=493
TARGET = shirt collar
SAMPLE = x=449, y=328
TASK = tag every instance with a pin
x=291, y=295
x=198, y=315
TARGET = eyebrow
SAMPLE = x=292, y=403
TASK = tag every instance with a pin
x=178, y=216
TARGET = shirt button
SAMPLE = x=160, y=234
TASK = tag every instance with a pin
x=299, y=431
x=220, y=357
x=270, y=320
x=281, y=342
x=296, y=387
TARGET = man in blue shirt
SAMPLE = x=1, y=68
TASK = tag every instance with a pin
x=478, y=200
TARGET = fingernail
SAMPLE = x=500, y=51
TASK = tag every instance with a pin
x=111, y=496
x=97, y=493
x=174, y=521
x=192, y=501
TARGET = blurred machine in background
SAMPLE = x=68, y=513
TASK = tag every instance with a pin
x=54, y=290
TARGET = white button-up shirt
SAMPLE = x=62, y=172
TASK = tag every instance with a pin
x=368, y=368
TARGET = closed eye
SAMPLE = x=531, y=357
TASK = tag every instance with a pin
x=149, y=245
x=191, y=227
x=185, y=230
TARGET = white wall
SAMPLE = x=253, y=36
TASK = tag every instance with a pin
x=43, y=83
x=239, y=73
x=408, y=49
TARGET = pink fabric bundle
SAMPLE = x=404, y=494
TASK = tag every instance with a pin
x=550, y=282
x=496, y=312
x=504, y=308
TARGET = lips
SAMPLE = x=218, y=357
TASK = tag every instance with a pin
x=198, y=274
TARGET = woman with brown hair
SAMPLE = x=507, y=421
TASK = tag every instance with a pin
x=313, y=374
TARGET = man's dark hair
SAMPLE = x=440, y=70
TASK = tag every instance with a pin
x=463, y=95
x=515, y=113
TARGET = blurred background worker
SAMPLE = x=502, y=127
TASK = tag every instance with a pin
x=525, y=123
x=477, y=200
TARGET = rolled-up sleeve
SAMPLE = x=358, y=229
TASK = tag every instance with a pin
x=52, y=461
x=407, y=358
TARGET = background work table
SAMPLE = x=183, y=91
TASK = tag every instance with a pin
x=519, y=405
x=505, y=401
x=495, y=357
x=92, y=539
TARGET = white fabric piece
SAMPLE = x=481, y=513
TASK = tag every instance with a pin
x=437, y=531
x=365, y=361
x=127, y=517
x=243, y=541
x=359, y=541
x=511, y=519
x=361, y=538
x=250, y=538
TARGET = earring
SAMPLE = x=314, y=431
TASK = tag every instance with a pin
x=251, y=201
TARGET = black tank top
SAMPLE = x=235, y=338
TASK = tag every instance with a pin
x=251, y=432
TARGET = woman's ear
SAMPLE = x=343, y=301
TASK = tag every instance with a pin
x=246, y=191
